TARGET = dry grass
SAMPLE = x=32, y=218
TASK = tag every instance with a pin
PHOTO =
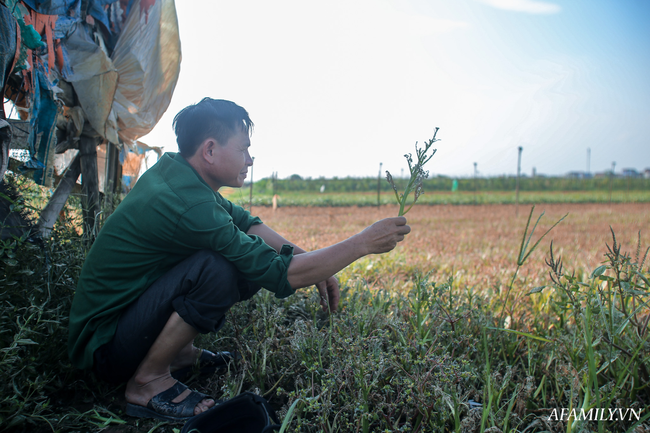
x=477, y=245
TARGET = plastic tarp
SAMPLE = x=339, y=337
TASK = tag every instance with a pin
x=123, y=98
x=122, y=95
x=147, y=57
x=94, y=79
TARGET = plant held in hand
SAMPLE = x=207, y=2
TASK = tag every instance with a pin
x=417, y=174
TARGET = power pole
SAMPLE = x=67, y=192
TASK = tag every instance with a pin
x=250, y=198
x=379, y=185
x=517, y=187
x=274, y=180
x=588, y=159
x=475, y=185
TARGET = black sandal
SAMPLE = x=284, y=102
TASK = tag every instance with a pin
x=162, y=407
x=208, y=363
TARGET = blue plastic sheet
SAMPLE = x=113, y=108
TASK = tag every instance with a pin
x=53, y=7
x=72, y=8
x=42, y=137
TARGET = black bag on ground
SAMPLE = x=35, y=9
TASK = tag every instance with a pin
x=246, y=413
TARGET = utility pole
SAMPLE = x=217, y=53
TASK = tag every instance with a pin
x=587, y=175
x=475, y=185
x=274, y=180
x=379, y=185
x=250, y=198
x=517, y=187
x=611, y=181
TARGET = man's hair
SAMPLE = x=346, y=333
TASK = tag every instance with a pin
x=210, y=118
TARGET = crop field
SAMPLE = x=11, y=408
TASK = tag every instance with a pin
x=458, y=329
x=476, y=245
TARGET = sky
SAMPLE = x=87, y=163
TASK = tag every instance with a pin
x=335, y=88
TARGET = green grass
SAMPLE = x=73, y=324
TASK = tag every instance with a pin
x=412, y=358
x=304, y=198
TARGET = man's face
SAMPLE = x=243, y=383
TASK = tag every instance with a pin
x=231, y=161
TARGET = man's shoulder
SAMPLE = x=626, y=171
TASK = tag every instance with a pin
x=173, y=178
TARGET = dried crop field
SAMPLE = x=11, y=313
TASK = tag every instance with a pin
x=477, y=245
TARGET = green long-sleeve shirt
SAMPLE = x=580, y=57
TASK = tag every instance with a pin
x=170, y=214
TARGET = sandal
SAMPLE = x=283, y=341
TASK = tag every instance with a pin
x=208, y=363
x=161, y=406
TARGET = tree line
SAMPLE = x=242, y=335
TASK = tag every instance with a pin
x=444, y=183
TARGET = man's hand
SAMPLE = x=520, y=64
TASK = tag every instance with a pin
x=329, y=293
x=384, y=235
x=381, y=237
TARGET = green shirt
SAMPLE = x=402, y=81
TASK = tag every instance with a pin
x=170, y=214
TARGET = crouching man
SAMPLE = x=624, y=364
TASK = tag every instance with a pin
x=175, y=256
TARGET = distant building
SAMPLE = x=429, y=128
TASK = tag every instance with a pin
x=646, y=173
x=630, y=172
x=578, y=175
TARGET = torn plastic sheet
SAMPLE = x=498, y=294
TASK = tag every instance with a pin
x=62, y=161
x=147, y=57
x=94, y=78
x=42, y=136
x=97, y=9
x=72, y=8
x=53, y=7
x=134, y=163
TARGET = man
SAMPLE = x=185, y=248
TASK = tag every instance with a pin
x=175, y=256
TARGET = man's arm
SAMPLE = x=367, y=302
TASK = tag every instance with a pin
x=317, y=267
x=272, y=238
x=309, y=268
x=328, y=288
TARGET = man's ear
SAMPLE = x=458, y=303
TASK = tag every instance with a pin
x=208, y=148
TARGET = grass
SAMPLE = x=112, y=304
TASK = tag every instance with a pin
x=338, y=199
x=420, y=344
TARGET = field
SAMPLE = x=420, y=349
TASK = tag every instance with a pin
x=476, y=245
x=442, y=334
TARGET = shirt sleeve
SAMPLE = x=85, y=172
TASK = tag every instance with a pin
x=240, y=216
x=210, y=226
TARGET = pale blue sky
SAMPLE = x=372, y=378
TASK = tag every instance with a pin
x=337, y=87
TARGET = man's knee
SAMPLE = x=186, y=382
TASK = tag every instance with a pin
x=221, y=278
x=217, y=275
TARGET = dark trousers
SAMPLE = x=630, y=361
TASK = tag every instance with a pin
x=201, y=289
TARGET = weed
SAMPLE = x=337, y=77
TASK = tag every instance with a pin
x=417, y=175
x=605, y=338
